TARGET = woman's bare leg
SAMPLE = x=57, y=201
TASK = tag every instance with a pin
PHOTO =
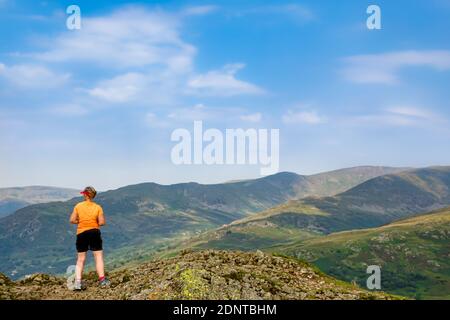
x=80, y=265
x=99, y=265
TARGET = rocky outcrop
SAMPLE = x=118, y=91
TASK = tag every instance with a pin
x=199, y=275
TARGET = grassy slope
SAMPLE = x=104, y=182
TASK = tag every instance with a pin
x=414, y=255
x=247, y=234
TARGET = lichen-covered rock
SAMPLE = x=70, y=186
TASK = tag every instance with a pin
x=42, y=279
x=200, y=275
x=4, y=280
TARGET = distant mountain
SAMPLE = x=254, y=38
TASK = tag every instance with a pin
x=8, y=206
x=414, y=255
x=143, y=217
x=373, y=203
x=201, y=276
x=338, y=181
x=12, y=199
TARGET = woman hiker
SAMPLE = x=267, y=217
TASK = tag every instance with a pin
x=88, y=215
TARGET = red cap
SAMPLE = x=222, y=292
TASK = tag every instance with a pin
x=89, y=191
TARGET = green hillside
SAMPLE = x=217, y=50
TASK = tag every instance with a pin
x=373, y=203
x=414, y=255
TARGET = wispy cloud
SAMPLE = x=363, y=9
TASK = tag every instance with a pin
x=122, y=88
x=253, y=117
x=181, y=115
x=130, y=37
x=302, y=117
x=32, y=76
x=154, y=121
x=400, y=116
x=142, y=50
x=413, y=112
x=198, y=10
x=213, y=115
x=385, y=68
x=197, y=112
x=222, y=83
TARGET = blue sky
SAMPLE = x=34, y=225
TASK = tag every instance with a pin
x=97, y=105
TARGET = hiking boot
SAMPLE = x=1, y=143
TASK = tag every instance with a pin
x=104, y=283
x=79, y=285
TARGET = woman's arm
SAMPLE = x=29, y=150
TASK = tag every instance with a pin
x=74, y=217
x=101, y=218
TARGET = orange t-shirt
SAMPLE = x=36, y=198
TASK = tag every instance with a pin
x=88, y=213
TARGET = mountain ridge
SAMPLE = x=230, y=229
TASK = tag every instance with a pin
x=143, y=216
x=373, y=203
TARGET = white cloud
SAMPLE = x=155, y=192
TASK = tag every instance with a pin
x=32, y=76
x=147, y=62
x=401, y=116
x=222, y=83
x=299, y=12
x=152, y=120
x=412, y=112
x=305, y=117
x=254, y=117
x=130, y=37
x=145, y=49
x=198, y=10
x=155, y=88
x=384, y=68
x=122, y=88
x=197, y=112
x=182, y=115
x=177, y=116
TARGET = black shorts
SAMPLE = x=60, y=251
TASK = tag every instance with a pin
x=89, y=240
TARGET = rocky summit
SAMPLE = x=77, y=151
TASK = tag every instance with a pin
x=205, y=274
